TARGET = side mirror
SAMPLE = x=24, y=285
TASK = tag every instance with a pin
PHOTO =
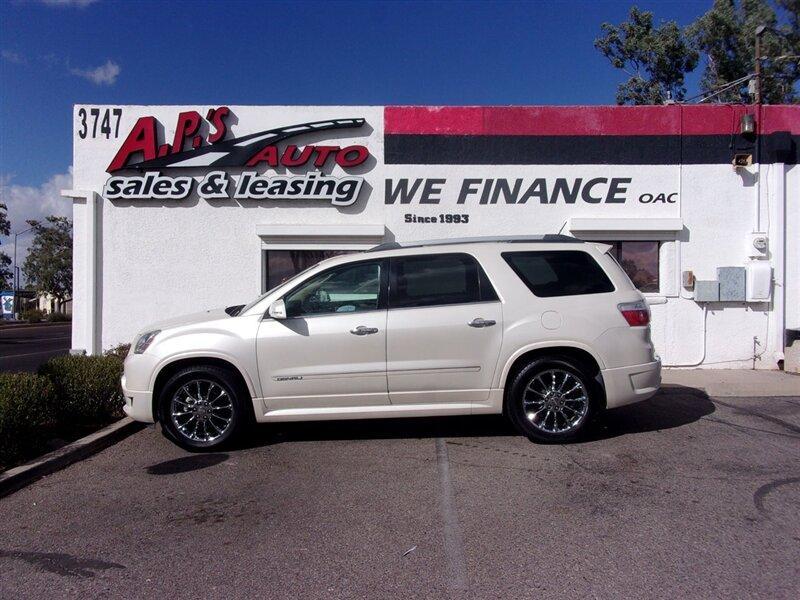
x=277, y=310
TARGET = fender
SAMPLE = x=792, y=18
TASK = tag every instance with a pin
x=501, y=381
x=251, y=388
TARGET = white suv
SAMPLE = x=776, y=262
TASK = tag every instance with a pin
x=547, y=330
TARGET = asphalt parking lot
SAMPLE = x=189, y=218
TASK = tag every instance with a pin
x=680, y=496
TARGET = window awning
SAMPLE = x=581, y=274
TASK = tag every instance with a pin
x=621, y=229
x=320, y=237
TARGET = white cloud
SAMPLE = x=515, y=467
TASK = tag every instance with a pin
x=28, y=202
x=51, y=59
x=13, y=57
x=76, y=3
x=103, y=75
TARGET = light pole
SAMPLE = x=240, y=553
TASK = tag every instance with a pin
x=759, y=32
x=16, y=277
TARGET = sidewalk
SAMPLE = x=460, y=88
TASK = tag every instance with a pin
x=735, y=382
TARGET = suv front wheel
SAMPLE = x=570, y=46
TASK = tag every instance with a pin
x=551, y=400
x=202, y=408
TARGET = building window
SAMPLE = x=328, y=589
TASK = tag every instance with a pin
x=640, y=261
x=280, y=265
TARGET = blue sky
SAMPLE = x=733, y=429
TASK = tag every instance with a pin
x=56, y=53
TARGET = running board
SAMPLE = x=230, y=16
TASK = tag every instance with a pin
x=367, y=412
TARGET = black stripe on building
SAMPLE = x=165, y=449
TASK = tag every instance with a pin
x=412, y=149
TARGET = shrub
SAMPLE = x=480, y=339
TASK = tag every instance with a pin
x=32, y=315
x=87, y=388
x=57, y=317
x=120, y=351
x=26, y=402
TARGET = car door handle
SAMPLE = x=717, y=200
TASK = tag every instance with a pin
x=482, y=322
x=362, y=330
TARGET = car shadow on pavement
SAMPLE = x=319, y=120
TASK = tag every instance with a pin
x=673, y=406
x=186, y=464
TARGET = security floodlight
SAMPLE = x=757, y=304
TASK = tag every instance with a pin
x=747, y=125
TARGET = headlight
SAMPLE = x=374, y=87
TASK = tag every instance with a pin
x=144, y=341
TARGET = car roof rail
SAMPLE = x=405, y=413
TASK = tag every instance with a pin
x=385, y=246
x=552, y=238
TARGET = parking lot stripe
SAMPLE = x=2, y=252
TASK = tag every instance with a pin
x=453, y=538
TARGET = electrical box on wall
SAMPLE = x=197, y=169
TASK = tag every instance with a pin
x=759, y=281
x=731, y=284
x=706, y=291
x=758, y=244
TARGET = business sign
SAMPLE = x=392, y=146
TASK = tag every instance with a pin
x=502, y=169
x=7, y=305
x=216, y=155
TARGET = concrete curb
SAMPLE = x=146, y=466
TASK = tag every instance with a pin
x=18, y=477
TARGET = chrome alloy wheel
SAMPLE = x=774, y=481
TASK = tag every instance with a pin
x=201, y=410
x=555, y=401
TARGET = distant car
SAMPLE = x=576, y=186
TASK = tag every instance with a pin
x=549, y=331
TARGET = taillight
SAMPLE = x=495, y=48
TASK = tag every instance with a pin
x=636, y=313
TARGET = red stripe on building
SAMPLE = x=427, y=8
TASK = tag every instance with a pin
x=781, y=118
x=584, y=120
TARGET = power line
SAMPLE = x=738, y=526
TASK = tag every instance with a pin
x=720, y=89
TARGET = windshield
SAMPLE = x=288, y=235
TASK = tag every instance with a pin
x=268, y=292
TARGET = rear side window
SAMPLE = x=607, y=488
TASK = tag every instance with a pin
x=559, y=273
x=437, y=279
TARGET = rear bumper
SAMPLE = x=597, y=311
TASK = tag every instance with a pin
x=138, y=405
x=626, y=385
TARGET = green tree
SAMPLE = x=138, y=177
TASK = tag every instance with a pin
x=656, y=59
x=6, y=278
x=726, y=36
x=48, y=266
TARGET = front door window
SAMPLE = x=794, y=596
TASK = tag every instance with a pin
x=346, y=289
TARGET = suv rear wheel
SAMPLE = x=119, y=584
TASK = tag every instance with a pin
x=202, y=408
x=551, y=400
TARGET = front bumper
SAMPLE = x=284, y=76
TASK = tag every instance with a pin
x=626, y=385
x=138, y=405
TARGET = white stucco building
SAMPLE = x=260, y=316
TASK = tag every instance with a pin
x=182, y=208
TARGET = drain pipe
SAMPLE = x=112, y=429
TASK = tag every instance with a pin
x=679, y=267
x=777, y=239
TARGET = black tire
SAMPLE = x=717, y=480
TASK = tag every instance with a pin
x=199, y=383
x=525, y=405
